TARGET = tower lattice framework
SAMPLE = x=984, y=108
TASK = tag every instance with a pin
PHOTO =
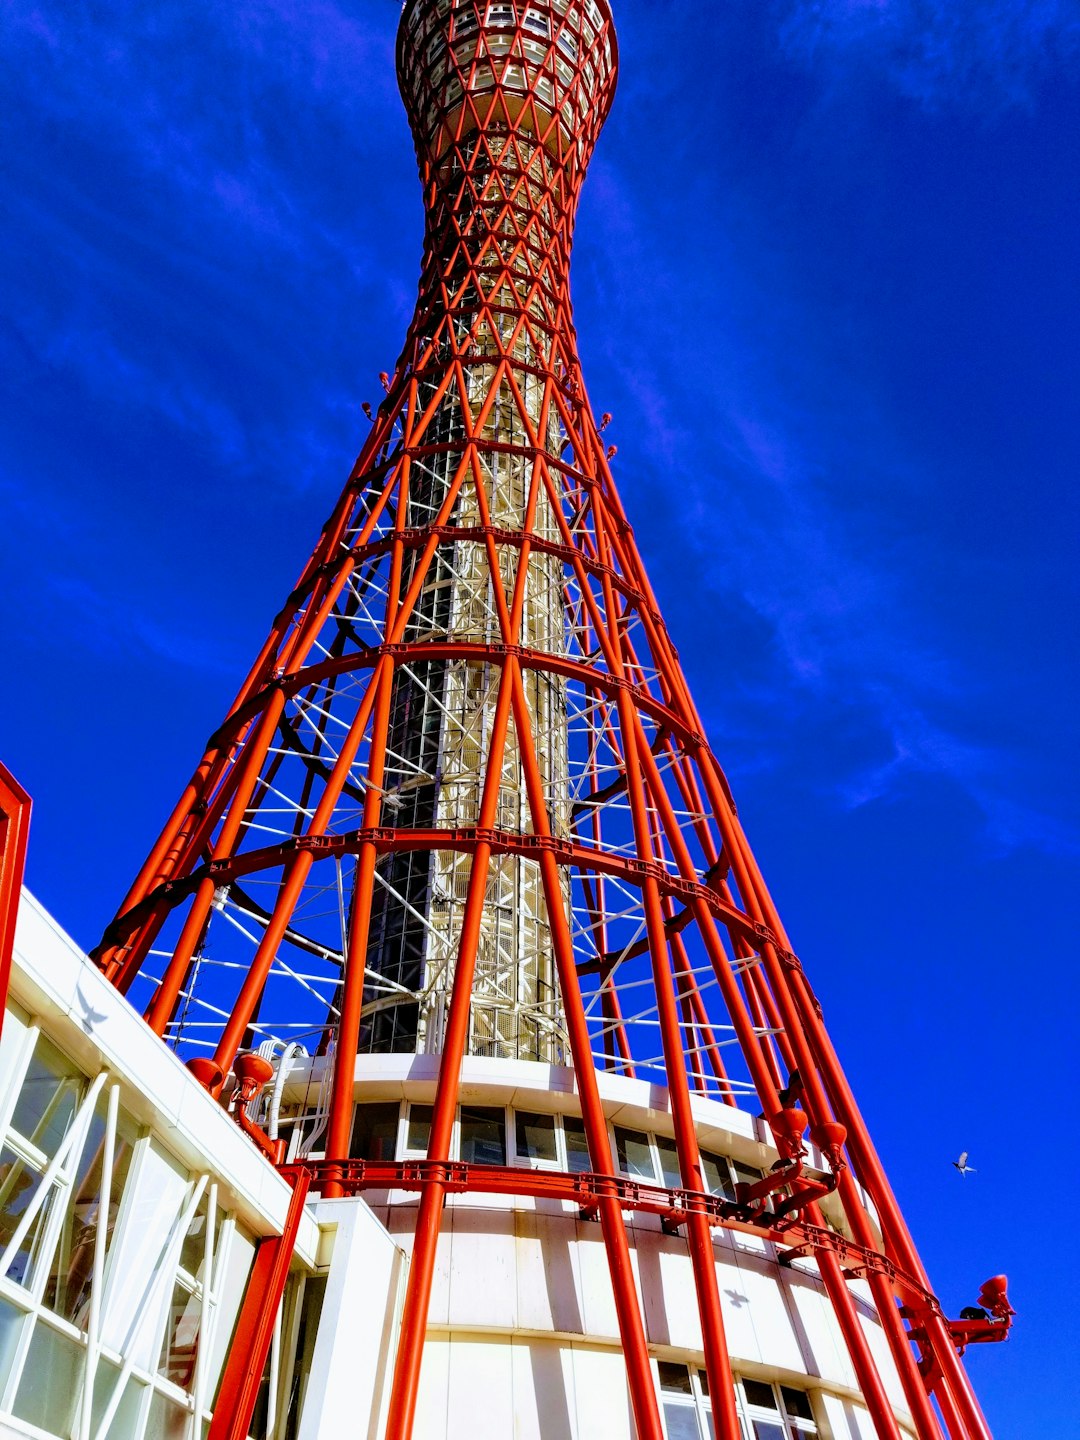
x=463, y=802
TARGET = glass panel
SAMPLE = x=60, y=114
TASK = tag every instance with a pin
x=310, y=1313
x=577, y=1147
x=767, y=1430
x=717, y=1176
x=374, y=1134
x=797, y=1403
x=157, y=1192
x=126, y=1418
x=12, y=1054
x=73, y=1258
x=48, y=1098
x=635, y=1154
x=483, y=1135
x=681, y=1422
x=536, y=1137
x=674, y=1379
x=669, y=1163
x=48, y=1391
x=167, y=1420
x=193, y=1245
x=181, y=1343
x=18, y=1182
x=232, y=1268
x=68, y=1288
x=763, y=1396
x=11, y=1323
x=419, y=1127
x=261, y=1414
x=745, y=1174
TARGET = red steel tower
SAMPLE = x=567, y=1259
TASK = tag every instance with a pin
x=463, y=804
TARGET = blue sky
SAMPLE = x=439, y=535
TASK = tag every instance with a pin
x=825, y=280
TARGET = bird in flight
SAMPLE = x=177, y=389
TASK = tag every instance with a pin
x=963, y=1166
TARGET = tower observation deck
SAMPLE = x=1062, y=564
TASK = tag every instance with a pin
x=461, y=836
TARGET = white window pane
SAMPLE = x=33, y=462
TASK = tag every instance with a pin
x=717, y=1176
x=19, y=1182
x=232, y=1266
x=669, y=1163
x=167, y=1420
x=681, y=1422
x=68, y=1288
x=126, y=1417
x=536, y=1137
x=760, y=1395
x=47, y=1100
x=674, y=1378
x=12, y=1055
x=11, y=1323
x=180, y=1347
x=635, y=1154
x=419, y=1127
x=136, y=1285
x=48, y=1392
x=797, y=1403
x=483, y=1135
x=577, y=1146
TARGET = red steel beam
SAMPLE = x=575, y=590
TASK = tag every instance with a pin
x=246, y=1360
x=15, y=808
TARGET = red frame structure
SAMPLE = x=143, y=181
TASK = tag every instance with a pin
x=486, y=478
x=14, y=833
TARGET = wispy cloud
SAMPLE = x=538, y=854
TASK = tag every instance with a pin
x=190, y=176
x=784, y=525
x=109, y=626
x=939, y=52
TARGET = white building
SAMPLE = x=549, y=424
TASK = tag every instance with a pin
x=116, y=1315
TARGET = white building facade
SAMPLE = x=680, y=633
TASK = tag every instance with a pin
x=132, y=1205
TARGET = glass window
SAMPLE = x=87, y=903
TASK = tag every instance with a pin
x=310, y=1312
x=763, y=1397
x=535, y=1136
x=635, y=1154
x=232, y=1269
x=47, y=1100
x=483, y=1135
x=797, y=1404
x=669, y=1163
x=68, y=1288
x=193, y=1245
x=675, y=1379
x=125, y=1420
x=18, y=1182
x=679, y=1402
x=745, y=1174
x=48, y=1392
x=11, y=1323
x=681, y=1421
x=717, y=1176
x=375, y=1130
x=167, y=1420
x=577, y=1146
x=180, y=1346
x=419, y=1133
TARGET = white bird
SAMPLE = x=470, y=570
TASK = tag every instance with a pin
x=963, y=1166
